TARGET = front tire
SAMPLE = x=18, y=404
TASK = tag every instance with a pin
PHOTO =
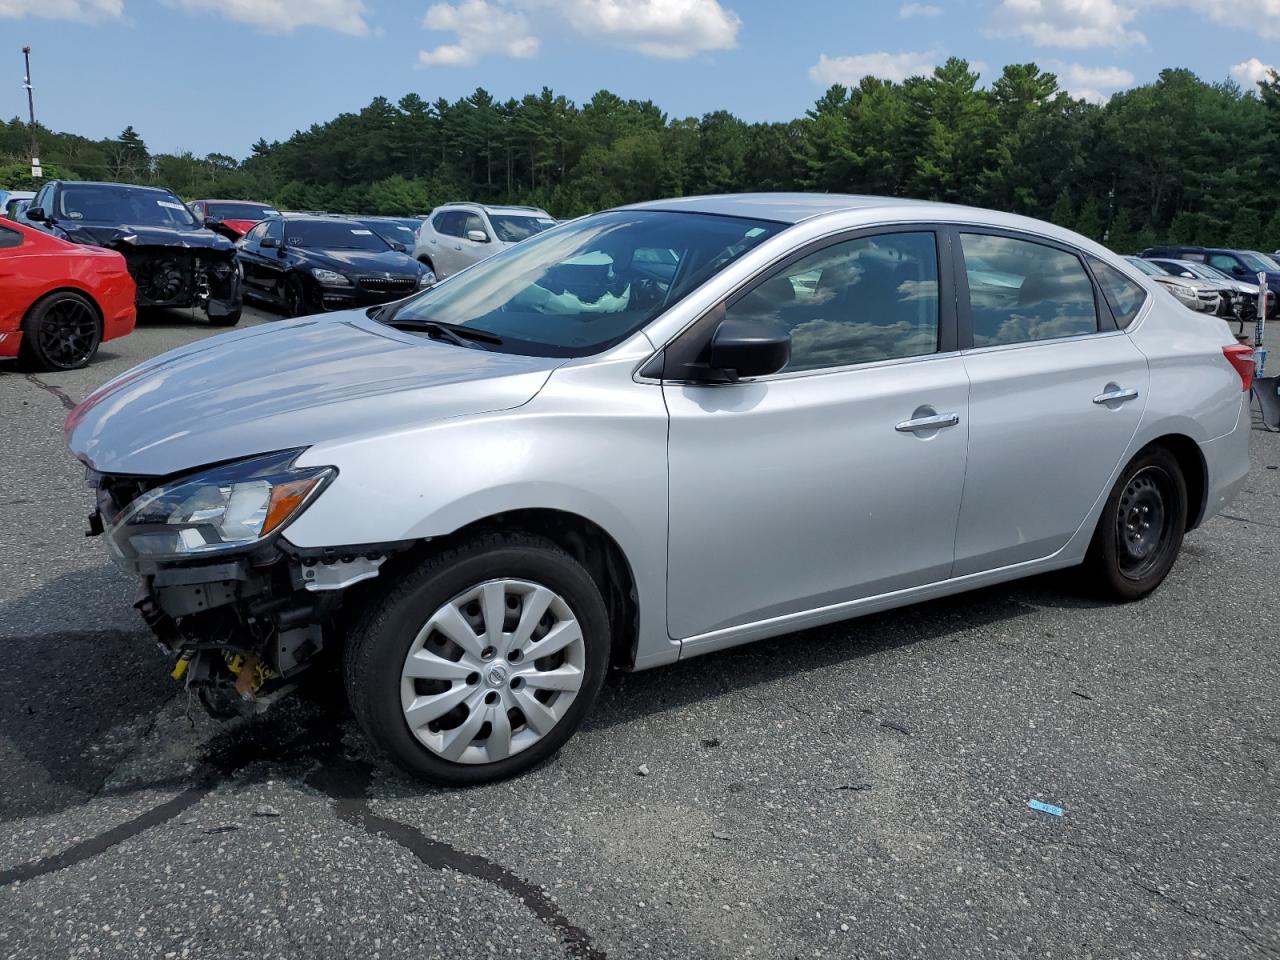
x=480, y=662
x=227, y=319
x=1141, y=528
x=61, y=331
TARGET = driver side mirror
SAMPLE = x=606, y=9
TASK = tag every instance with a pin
x=478, y=236
x=1240, y=271
x=399, y=247
x=266, y=243
x=36, y=214
x=749, y=348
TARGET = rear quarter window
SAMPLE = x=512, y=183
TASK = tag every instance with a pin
x=1124, y=297
x=9, y=238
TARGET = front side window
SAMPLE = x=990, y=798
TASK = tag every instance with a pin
x=275, y=230
x=472, y=221
x=858, y=301
x=448, y=223
x=256, y=233
x=1224, y=261
x=1021, y=291
x=579, y=289
x=1123, y=295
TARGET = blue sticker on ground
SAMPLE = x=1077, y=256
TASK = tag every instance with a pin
x=1045, y=807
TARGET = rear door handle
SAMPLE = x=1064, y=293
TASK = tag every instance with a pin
x=1116, y=396
x=936, y=422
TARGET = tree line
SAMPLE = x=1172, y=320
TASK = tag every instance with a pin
x=1178, y=160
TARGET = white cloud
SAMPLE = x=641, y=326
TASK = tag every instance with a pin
x=283, y=16
x=1257, y=16
x=888, y=66
x=482, y=28
x=670, y=29
x=1252, y=72
x=1073, y=24
x=909, y=10
x=86, y=10
x=1095, y=84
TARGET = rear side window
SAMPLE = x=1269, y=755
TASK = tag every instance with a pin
x=858, y=301
x=9, y=238
x=1124, y=297
x=1022, y=292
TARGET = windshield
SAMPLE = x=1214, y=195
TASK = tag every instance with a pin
x=1146, y=266
x=512, y=229
x=1259, y=261
x=241, y=211
x=391, y=230
x=332, y=235
x=586, y=285
x=109, y=203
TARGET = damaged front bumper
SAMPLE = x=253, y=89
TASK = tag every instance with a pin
x=178, y=277
x=242, y=622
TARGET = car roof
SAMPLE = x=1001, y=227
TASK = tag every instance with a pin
x=109, y=183
x=510, y=208
x=794, y=207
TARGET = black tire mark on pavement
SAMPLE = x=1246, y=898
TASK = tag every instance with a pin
x=346, y=782
x=104, y=841
x=50, y=388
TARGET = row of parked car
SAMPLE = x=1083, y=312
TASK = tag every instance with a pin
x=213, y=254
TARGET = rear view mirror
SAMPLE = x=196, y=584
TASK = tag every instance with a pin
x=749, y=348
x=479, y=236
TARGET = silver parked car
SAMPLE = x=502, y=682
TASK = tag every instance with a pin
x=649, y=434
x=1193, y=293
x=456, y=235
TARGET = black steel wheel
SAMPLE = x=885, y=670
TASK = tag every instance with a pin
x=1140, y=531
x=61, y=332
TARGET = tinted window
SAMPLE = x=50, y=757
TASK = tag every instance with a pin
x=240, y=211
x=121, y=204
x=578, y=289
x=449, y=223
x=511, y=229
x=1020, y=291
x=873, y=298
x=1223, y=261
x=9, y=238
x=273, y=229
x=333, y=235
x=1123, y=295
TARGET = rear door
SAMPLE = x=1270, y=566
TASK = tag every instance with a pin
x=840, y=477
x=443, y=245
x=1057, y=393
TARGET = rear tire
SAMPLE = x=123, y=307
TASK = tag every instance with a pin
x=1141, y=528
x=511, y=702
x=61, y=331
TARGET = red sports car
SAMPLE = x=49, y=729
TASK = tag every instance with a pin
x=59, y=300
x=238, y=216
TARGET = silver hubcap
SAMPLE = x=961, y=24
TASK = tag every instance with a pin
x=492, y=671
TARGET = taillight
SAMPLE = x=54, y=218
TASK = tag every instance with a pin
x=1241, y=357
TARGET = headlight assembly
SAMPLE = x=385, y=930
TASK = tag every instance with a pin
x=330, y=277
x=226, y=508
x=426, y=279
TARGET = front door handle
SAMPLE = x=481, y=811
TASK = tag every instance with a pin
x=935, y=422
x=1116, y=395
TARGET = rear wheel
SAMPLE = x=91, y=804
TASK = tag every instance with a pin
x=1140, y=531
x=481, y=662
x=60, y=332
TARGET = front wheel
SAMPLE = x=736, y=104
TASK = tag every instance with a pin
x=227, y=319
x=1140, y=531
x=481, y=662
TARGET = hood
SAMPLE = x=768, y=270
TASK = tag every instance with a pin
x=113, y=235
x=361, y=261
x=285, y=385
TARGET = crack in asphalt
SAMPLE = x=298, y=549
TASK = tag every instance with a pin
x=51, y=389
x=347, y=784
x=1174, y=902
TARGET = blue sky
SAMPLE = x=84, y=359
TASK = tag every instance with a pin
x=206, y=75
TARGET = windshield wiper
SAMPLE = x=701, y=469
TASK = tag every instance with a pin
x=455, y=333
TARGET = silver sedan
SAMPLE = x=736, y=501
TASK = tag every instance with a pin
x=649, y=434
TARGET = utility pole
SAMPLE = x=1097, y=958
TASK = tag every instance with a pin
x=36, y=172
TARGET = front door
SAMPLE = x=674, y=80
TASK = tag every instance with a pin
x=840, y=477
x=1056, y=397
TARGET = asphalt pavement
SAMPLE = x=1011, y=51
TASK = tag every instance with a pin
x=859, y=790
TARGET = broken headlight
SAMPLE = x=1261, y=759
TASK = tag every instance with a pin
x=226, y=508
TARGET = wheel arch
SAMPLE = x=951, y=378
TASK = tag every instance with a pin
x=68, y=288
x=1195, y=472
x=584, y=540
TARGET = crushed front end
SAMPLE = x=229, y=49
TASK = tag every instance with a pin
x=242, y=612
x=170, y=276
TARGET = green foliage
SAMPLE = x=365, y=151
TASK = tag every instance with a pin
x=1175, y=160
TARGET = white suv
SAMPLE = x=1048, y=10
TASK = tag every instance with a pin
x=457, y=235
